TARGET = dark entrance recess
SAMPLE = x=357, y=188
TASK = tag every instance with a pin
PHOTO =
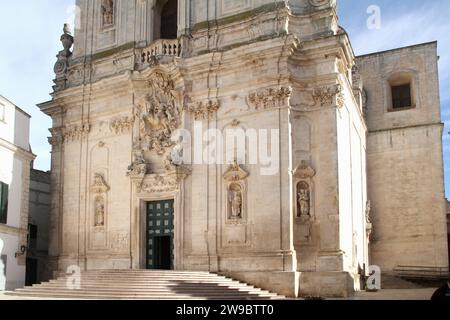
x=160, y=234
x=169, y=20
x=31, y=272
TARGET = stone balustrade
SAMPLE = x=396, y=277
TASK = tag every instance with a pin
x=161, y=48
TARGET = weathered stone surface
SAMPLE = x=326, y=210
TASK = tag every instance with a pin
x=241, y=64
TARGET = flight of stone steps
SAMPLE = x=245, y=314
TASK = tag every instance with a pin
x=146, y=285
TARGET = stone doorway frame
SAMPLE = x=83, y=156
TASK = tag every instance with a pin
x=144, y=191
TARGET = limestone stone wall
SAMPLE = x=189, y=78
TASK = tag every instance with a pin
x=259, y=66
x=405, y=160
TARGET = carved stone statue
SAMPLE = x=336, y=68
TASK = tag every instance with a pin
x=235, y=198
x=304, y=200
x=107, y=12
x=99, y=212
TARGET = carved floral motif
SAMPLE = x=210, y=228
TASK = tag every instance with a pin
x=269, y=98
x=158, y=184
x=203, y=110
x=325, y=96
x=75, y=132
x=122, y=125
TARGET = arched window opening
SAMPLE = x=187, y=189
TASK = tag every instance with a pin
x=166, y=20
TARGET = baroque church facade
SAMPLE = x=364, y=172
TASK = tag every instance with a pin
x=360, y=177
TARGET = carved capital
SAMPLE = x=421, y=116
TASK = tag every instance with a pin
x=203, y=110
x=269, y=98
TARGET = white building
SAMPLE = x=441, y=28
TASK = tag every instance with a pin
x=15, y=159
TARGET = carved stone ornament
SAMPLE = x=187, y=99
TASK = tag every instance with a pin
x=369, y=226
x=138, y=167
x=107, y=9
x=203, y=110
x=99, y=185
x=269, y=98
x=304, y=171
x=303, y=200
x=62, y=64
x=75, y=132
x=99, y=188
x=236, y=193
x=121, y=125
x=158, y=184
x=235, y=173
x=158, y=115
x=325, y=96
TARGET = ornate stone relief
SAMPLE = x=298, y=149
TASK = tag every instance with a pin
x=203, y=110
x=63, y=56
x=303, y=176
x=107, y=10
x=99, y=189
x=157, y=115
x=121, y=125
x=269, y=98
x=369, y=226
x=139, y=166
x=328, y=96
x=235, y=179
x=158, y=184
x=75, y=132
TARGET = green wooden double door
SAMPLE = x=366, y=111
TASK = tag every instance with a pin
x=160, y=234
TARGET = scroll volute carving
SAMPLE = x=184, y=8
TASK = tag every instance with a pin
x=99, y=189
x=303, y=177
x=236, y=193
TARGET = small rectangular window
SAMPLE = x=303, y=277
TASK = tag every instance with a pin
x=4, y=191
x=401, y=96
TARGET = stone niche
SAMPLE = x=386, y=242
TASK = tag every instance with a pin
x=303, y=178
x=236, y=215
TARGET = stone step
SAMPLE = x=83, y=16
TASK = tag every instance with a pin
x=146, y=282
x=31, y=295
x=154, y=285
x=82, y=293
x=153, y=288
x=144, y=286
x=157, y=292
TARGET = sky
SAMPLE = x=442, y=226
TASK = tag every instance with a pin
x=30, y=32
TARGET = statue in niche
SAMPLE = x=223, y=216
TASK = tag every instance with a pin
x=303, y=200
x=235, y=199
x=99, y=212
x=107, y=12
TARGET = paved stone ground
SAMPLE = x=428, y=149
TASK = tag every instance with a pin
x=388, y=294
x=396, y=294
